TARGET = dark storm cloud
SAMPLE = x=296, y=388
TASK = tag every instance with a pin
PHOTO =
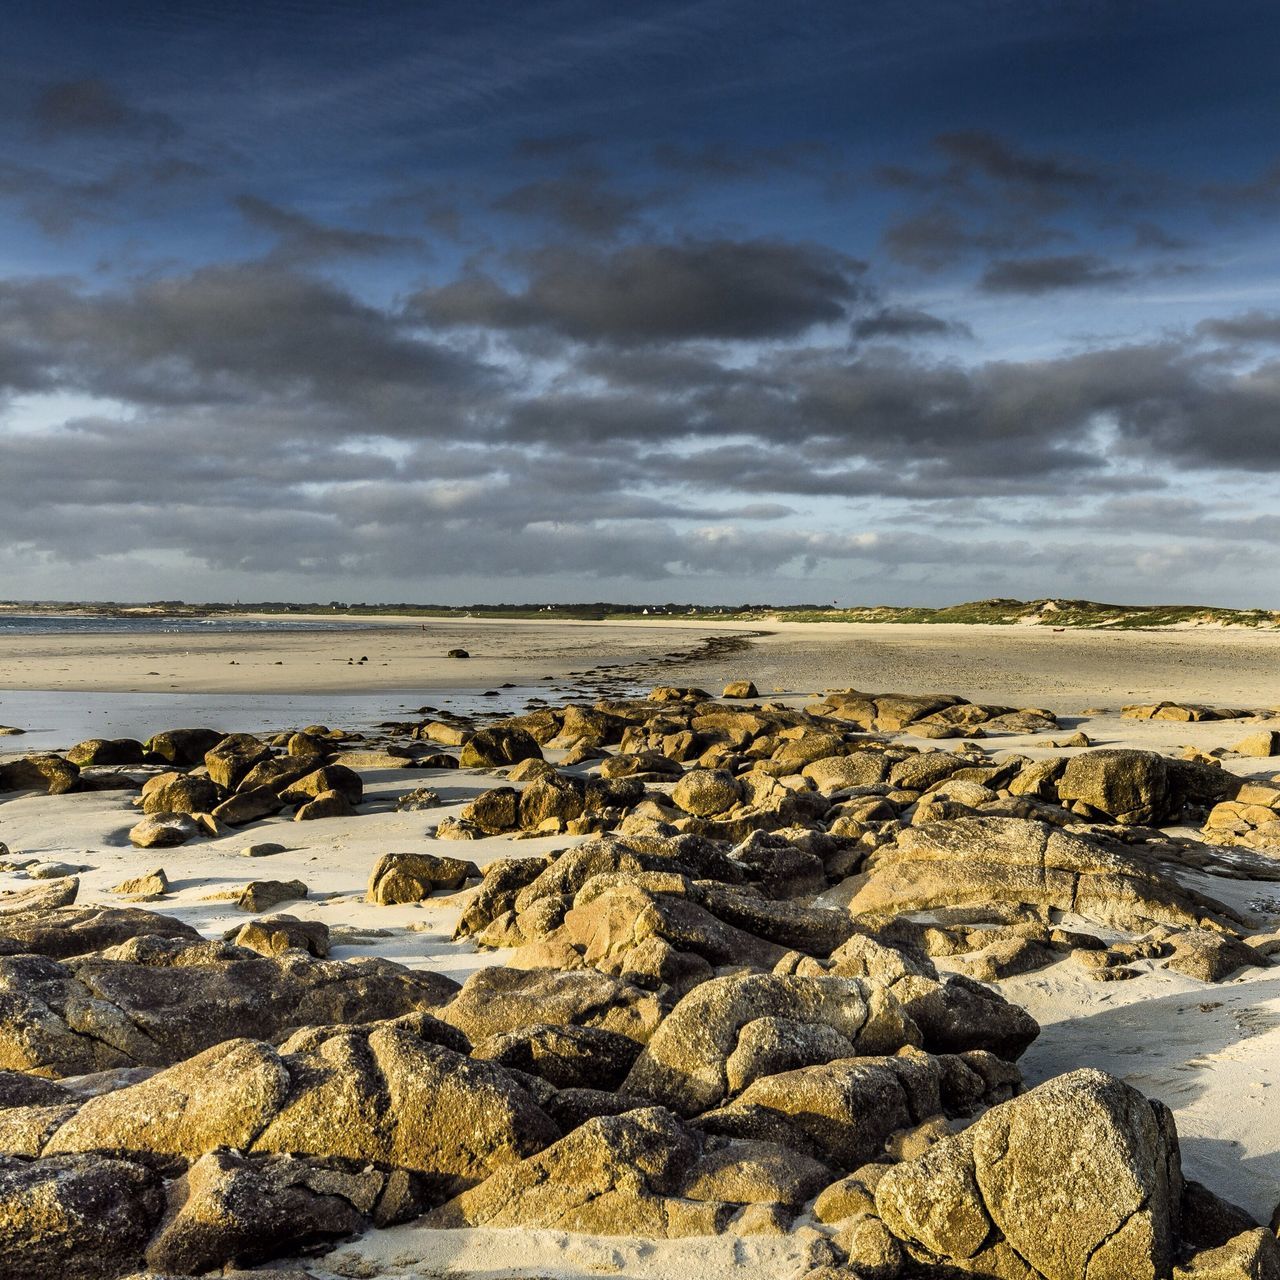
x=1246, y=328
x=91, y=107
x=908, y=322
x=235, y=335
x=1045, y=275
x=656, y=293
x=581, y=201
x=301, y=239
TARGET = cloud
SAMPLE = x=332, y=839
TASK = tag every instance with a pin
x=579, y=201
x=58, y=205
x=90, y=107
x=908, y=322
x=1045, y=275
x=300, y=239
x=938, y=237
x=655, y=293
x=234, y=335
x=1246, y=328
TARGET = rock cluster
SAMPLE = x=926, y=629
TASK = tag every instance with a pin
x=753, y=988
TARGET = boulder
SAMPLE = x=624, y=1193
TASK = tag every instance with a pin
x=59, y=931
x=614, y=1175
x=164, y=831
x=568, y=1057
x=183, y=747
x=244, y=807
x=154, y=1001
x=740, y=689
x=329, y=777
x=730, y=1031
x=498, y=1000
x=980, y=861
x=45, y=772
x=105, y=751
x=233, y=757
x=79, y=1217
x=411, y=877
x=262, y=895
x=1127, y=786
x=328, y=804
x=179, y=793
x=228, y=1209
x=705, y=792
x=272, y=935
x=1264, y=743
x=497, y=746
x=1080, y=1177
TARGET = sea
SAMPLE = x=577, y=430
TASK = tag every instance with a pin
x=53, y=624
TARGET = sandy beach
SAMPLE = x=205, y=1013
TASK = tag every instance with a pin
x=1209, y=1052
x=1068, y=670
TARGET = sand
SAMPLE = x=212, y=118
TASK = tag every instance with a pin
x=1212, y=1053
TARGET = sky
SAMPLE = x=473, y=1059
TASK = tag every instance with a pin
x=714, y=301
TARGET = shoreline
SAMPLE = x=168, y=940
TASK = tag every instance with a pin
x=1069, y=671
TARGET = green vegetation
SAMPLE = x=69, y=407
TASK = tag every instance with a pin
x=1001, y=612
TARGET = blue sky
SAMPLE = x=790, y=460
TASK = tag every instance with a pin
x=709, y=301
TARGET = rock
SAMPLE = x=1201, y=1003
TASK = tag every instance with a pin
x=705, y=792
x=391, y=1094
x=153, y=884
x=1264, y=743
x=981, y=861
x=417, y=799
x=497, y=746
x=740, y=689
x=1079, y=1177
x=742, y=1171
x=57, y=931
x=872, y=1251
x=392, y=757
x=329, y=777
x=272, y=935
x=40, y=898
x=845, y=1111
x=79, y=1217
x=263, y=849
x=614, y=1175
x=243, y=807
x=226, y=1208
x=494, y=811
x=154, y=1001
x=262, y=895
x=730, y=1031
x=498, y=1000
x=1211, y=956
x=105, y=751
x=184, y=747
x=568, y=1057
x=164, y=831
x=457, y=653
x=411, y=877
x=179, y=793
x=233, y=757
x=857, y=769
x=855, y=1193
x=328, y=804
x=1128, y=786
x=1252, y=1255
x=551, y=796
x=46, y=772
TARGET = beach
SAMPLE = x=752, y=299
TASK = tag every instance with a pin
x=1209, y=1052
